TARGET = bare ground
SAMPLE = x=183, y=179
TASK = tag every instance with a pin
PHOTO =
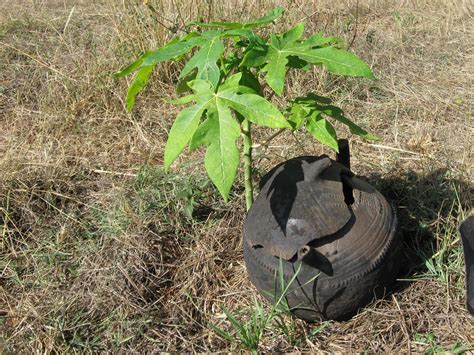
x=97, y=250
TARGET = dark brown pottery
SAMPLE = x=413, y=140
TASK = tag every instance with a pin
x=314, y=215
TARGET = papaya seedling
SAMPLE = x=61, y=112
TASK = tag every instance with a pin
x=230, y=72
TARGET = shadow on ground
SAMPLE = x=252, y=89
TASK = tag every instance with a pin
x=429, y=209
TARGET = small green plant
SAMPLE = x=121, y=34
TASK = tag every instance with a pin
x=432, y=346
x=260, y=320
x=224, y=78
x=443, y=261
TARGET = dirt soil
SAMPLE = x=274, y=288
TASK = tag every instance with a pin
x=102, y=251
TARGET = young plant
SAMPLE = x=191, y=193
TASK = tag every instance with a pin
x=260, y=320
x=224, y=76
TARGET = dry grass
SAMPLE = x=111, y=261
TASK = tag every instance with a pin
x=97, y=252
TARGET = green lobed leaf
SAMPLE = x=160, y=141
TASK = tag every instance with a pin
x=255, y=55
x=280, y=48
x=219, y=133
x=257, y=50
x=251, y=81
x=288, y=50
x=205, y=60
x=171, y=50
x=337, y=61
x=138, y=83
x=222, y=155
x=183, y=84
x=174, y=49
x=268, y=18
x=147, y=62
x=202, y=90
x=264, y=20
x=182, y=131
x=322, y=130
x=297, y=116
x=314, y=104
x=187, y=121
x=220, y=129
x=318, y=40
x=254, y=108
x=336, y=113
x=131, y=67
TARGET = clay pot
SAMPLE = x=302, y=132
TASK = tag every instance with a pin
x=314, y=215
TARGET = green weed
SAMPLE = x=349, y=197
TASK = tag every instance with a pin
x=260, y=320
x=443, y=260
x=432, y=346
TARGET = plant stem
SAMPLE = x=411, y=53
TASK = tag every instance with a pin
x=268, y=140
x=247, y=163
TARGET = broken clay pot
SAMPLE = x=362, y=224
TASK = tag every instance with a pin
x=313, y=217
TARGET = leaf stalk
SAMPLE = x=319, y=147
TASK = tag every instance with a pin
x=247, y=138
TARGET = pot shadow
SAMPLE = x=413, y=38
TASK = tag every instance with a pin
x=423, y=203
x=283, y=187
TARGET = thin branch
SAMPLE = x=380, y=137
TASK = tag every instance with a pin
x=393, y=148
x=356, y=25
x=183, y=23
x=99, y=171
x=268, y=140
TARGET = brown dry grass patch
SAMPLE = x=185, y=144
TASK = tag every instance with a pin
x=97, y=252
